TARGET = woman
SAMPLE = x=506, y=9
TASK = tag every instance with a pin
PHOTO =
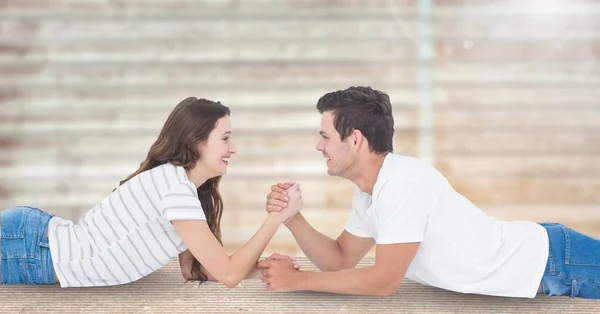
x=169, y=207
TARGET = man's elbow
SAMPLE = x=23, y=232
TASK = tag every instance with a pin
x=388, y=287
x=390, y=290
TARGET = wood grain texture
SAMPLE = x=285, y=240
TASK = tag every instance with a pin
x=165, y=292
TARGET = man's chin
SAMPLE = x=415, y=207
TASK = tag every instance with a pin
x=332, y=172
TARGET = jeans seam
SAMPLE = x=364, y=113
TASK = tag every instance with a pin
x=43, y=264
x=551, y=261
x=567, y=245
x=35, y=236
x=574, y=288
x=24, y=270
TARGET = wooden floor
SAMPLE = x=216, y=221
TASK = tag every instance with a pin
x=164, y=292
x=500, y=96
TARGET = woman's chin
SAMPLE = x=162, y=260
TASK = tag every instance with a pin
x=222, y=170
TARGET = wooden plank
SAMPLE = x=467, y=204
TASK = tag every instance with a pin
x=121, y=97
x=83, y=119
x=503, y=53
x=519, y=166
x=516, y=97
x=206, y=74
x=504, y=27
x=211, y=51
x=553, y=190
x=517, y=119
x=535, y=76
x=174, y=28
x=504, y=21
x=297, y=73
x=492, y=8
x=203, y=9
x=505, y=142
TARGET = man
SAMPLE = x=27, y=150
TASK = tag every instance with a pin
x=422, y=228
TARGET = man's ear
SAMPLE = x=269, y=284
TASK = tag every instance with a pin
x=357, y=138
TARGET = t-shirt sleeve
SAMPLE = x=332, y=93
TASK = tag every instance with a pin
x=403, y=209
x=356, y=224
x=182, y=203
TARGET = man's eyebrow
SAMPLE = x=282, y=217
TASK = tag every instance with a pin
x=322, y=133
x=226, y=133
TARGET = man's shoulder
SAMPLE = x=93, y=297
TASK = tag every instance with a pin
x=395, y=161
x=406, y=174
x=401, y=168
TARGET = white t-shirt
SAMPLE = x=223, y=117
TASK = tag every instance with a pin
x=462, y=249
x=128, y=235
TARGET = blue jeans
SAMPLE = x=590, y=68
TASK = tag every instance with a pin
x=573, y=267
x=24, y=250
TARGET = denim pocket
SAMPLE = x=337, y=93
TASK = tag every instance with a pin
x=11, y=223
x=580, y=249
x=12, y=234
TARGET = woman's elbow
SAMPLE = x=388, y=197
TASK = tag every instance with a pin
x=230, y=282
x=186, y=273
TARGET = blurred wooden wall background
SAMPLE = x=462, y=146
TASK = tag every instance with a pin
x=502, y=96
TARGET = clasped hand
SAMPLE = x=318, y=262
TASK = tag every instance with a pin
x=279, y=272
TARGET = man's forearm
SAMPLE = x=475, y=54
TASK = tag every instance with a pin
x=323, y=251
x=356, y=281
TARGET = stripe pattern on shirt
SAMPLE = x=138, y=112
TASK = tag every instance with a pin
x=128, y=235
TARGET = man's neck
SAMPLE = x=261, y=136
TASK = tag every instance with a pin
x=367, y=171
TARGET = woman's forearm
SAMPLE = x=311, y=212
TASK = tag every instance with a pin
x=243, y=261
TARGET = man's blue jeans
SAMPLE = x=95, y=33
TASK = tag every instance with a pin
x=573, y=267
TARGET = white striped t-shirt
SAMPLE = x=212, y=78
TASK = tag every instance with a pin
x=128, y=235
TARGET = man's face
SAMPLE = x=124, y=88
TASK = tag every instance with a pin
x=338, y=154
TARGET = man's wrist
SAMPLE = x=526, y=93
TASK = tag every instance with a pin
x=299, y=280
x=290, y=221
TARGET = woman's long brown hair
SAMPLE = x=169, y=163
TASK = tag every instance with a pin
x=188, y=125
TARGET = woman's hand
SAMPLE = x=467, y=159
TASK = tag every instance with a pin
x=285, y=198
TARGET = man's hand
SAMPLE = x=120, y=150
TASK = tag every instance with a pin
x=285, y=198
x=278, y=274
x=257, y=272
x=278, y=199
x=281, y=257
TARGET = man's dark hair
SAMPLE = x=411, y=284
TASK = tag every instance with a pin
x=364, y=109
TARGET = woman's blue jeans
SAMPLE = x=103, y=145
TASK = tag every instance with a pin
x=25, y=253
